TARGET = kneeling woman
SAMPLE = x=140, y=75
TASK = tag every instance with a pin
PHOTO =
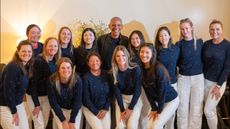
x=65, y=95
x=97, y=94
x=156, y=82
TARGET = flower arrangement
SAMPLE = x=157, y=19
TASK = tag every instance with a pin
x=77, y=27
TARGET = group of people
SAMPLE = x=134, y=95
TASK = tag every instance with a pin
x=115, y=81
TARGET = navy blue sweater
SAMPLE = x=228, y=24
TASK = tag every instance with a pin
x=190, y=62
x=135, y=58
x=158, y=90
x=41, y=73
x=65, y=52
x=129, y=83
x=13, y=86
x=97, y=92
x=38, y=50
x=216, y=58
x=169, y=57
x=70, y=99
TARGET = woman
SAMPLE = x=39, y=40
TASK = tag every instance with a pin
x=216, y=58
x=156, y=82
x=65, y=40
x=136, y=39
x=13, y=86
x=97, y=94
x=167, y=54
x=33, y=32
x=88, y=44
x=191, y=80
x=127, y=88
x=37, y=99
x=65, y=95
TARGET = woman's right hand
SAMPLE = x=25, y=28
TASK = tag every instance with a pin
x=36, y=111
x=65, y=124
x=15, y=119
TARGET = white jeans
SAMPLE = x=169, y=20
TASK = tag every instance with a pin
x=6, y=117
x=132, y=122
x=167, y=113
x=170, y=123
x=211, y=103
x=41, y=121
x=191, y=95
x=67, y=114
x=96, y=123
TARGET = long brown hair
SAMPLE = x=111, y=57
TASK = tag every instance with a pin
x=70, y=44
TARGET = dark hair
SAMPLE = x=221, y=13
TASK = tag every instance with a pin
x=158, y=44
x=93, y=53
x=30, y=27
x=70, y=44
x=17, y=59
x=131, y=49
x=214, y=21
x=154, y=64
x=82, y=45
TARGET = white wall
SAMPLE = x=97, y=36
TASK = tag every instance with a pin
x=146, y=15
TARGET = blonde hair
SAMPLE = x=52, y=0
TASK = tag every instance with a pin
x=187, y=20
x=57, y=56
x=55, y=78
x=128, y=63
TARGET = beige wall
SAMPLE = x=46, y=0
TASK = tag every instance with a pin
x=146, y=15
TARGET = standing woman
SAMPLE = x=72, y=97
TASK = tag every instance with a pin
x=44, y=65
x=136, y=39
x=88, y=44
x=97, y=94
x=167, y=54
x=65, y=95
x=33, y=32
x=13, y=87
x=191, y=79
x=162, y=96
x=216, y=57
x=65, y=41
x=127, y=88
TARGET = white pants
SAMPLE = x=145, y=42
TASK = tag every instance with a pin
x=67, y=114
x=167, y=113
x=96, y=123
x=132, y=122
x=6, y=117
x=191, y=95
x=41, y=121
x=170, y=123
x=211, y=103
x=144, y=111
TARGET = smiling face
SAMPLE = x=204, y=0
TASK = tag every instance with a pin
x=94, y=63
x=89, y=37
x=65, y=36
x=120, y=58
x=25, y=53
x=164, y=38
x=216, y=31
x=115, y=26
x=51, y=47
x=65, y=70
x=135, y=40
x=186, y=30
x=145, y=55
x=34, y=34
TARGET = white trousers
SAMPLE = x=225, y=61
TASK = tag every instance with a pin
x=191, y=95
x=67, y=114
x=167, y=113
x=41, y=121
x=132, y=122
x=6, y=117
x=96, y=123
x=211, y=103
x=170, y=123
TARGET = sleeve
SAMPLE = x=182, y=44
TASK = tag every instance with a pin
x=118, y=96
x=226, y=69
x=10, y=81
x=110, y=97
x=34, y=82
x=77, y=100
x=150, y=99
x=137, y=85
x=53, y=102
x=86, y=100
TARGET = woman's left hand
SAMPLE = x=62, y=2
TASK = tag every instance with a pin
x=128, y=112
x=153, y=115
x=216, y=92
x=72, y=125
